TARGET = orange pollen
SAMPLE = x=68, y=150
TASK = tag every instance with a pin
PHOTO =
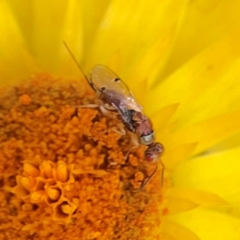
x=66, y=171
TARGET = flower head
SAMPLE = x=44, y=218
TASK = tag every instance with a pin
x=180, y=58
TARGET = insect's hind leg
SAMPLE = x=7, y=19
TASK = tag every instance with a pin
x=162, y=174
x=148, y=179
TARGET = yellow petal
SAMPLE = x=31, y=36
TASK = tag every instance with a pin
x=166, y=236
x=227, y=144
x=177, y=205
x=131, y=34
x=173, y=156
x=202, y=198
x=163, y=115
x=206, y=133
x=209, y=225
x=217, y=173
x=51, y=23
x=91, y=19
x=151, y=63
x=174, y=231
x=15, y=61
x=232, y=209
x=205, y=86
x=204, y=23
x=50, y=19
x=181, y=200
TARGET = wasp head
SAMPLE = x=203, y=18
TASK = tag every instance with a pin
x=154, y=152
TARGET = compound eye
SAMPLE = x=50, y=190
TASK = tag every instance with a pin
x=149, y=157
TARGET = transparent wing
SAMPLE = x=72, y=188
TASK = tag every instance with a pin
x=101, y=78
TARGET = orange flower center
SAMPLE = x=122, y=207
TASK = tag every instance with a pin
x=66, y=171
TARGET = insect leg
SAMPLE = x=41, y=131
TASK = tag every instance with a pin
x=148, y=179
x=162, y=176
x=90, y=105
x=119, y=129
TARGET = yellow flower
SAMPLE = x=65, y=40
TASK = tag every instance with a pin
x=181, y=59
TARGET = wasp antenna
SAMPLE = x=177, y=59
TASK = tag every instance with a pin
x=74, y=59
x=78, y=65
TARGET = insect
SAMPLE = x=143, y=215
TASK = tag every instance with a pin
x=112, y=90
x=115, y=95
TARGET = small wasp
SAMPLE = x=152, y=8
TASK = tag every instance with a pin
x=115, y=95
